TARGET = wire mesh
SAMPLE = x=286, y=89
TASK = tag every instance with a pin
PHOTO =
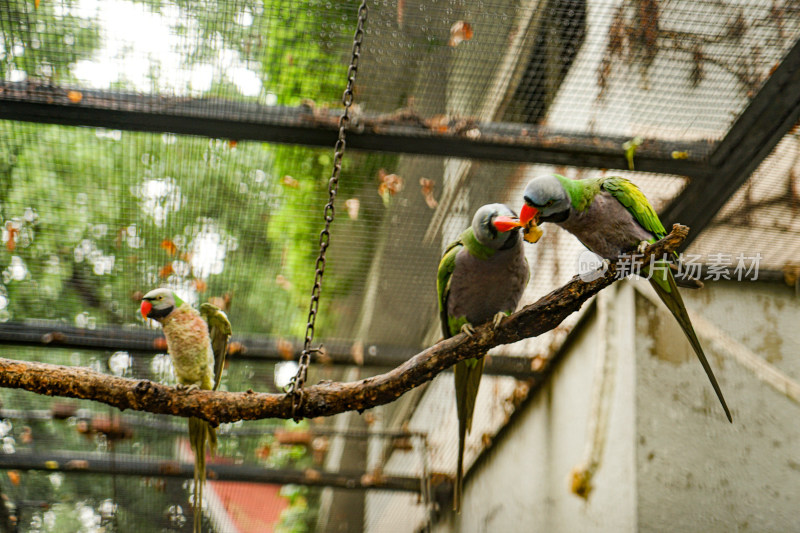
x=92, y=218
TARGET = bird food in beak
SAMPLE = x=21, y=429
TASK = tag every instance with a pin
x=531, y=232
x=527, y=216
x=145, y=309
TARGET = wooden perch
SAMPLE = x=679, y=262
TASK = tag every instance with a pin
x=325, y=398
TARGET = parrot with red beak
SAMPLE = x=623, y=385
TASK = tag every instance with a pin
x=611, y=217
x=481, y=277
x=197, y=342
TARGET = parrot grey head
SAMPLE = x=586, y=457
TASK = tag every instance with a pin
x=159, y=303
x=546, y=197
x=495, y=226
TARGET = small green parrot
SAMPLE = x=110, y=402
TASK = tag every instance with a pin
x=611, y=216
x=197, y=344
x=481, y=277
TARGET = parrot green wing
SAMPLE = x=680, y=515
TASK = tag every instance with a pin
x=219, y=331
x=636, y=203
x=661, y=278
x=446, y=267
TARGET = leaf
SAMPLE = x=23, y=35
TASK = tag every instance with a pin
x=285, y=349
x=169, y=246
x=288, y=181
x=401, y=11
x=165, y=271
x=630, y=148
x=352, y=205
x=427, y=186
x=459, y=32
x=74, y=96
x=11, y=243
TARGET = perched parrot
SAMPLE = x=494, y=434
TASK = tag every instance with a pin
x=197, y=344
x=611, y=216
x=481, y=277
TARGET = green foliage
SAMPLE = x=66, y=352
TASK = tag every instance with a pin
x=91, y=218
x=300, y=516
x=44, y=43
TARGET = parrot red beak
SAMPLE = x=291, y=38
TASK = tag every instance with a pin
x=528, y=213
x=504, y=224
x=146, y=308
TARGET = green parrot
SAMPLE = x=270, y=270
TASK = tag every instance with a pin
x=611, y=217
x=197, y=344
x=481, y=277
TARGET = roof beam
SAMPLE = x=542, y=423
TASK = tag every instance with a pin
x=122, y=465
x=400, y=132
x=249, y=348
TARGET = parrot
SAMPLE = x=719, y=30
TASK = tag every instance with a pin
x=481, y=277
x=611, y=216
x=197, y=342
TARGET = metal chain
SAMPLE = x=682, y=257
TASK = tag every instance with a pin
x=295, y=386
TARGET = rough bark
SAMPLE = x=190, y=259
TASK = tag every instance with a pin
x=325, y=398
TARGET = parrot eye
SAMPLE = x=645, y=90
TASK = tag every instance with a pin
x=549, y=203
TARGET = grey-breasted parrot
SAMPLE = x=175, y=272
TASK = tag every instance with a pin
x=611, y=216
x=481, y=277
x=197, y=343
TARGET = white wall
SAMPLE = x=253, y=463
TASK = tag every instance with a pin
x=671, y=461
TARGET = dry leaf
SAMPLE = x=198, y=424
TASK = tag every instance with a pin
x=283, y=283
x=165, y=271
x=311, y=474
x=289, y=181
x=390, y=185
x=357, y=351
x=232, y=143
x=352, y=205
x=263, y=452
x=285, y=349
x=459, y=32
x=160, y=343
x=236, y=348
x=14, y=477
x=27, y=435
x=169, y=246
x=74, y=96
x=427, y=187
x=438, y=123
x=199, y=285
x=11, y=243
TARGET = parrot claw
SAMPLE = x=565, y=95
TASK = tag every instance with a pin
x=498, y=319
x=468, y=329
x=642, y=246
x=186, y=388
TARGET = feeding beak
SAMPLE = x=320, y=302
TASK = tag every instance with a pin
x=529, y=216
x=504, y=224
x=146, y=308
x=528, y=213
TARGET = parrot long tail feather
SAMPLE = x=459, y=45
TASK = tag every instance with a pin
x=667, y=290
x=467, y=380
x=684, y=281
x=200, y=431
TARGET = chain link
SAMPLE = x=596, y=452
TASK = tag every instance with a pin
x=295, y=386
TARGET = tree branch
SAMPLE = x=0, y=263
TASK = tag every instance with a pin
x=325, y=398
